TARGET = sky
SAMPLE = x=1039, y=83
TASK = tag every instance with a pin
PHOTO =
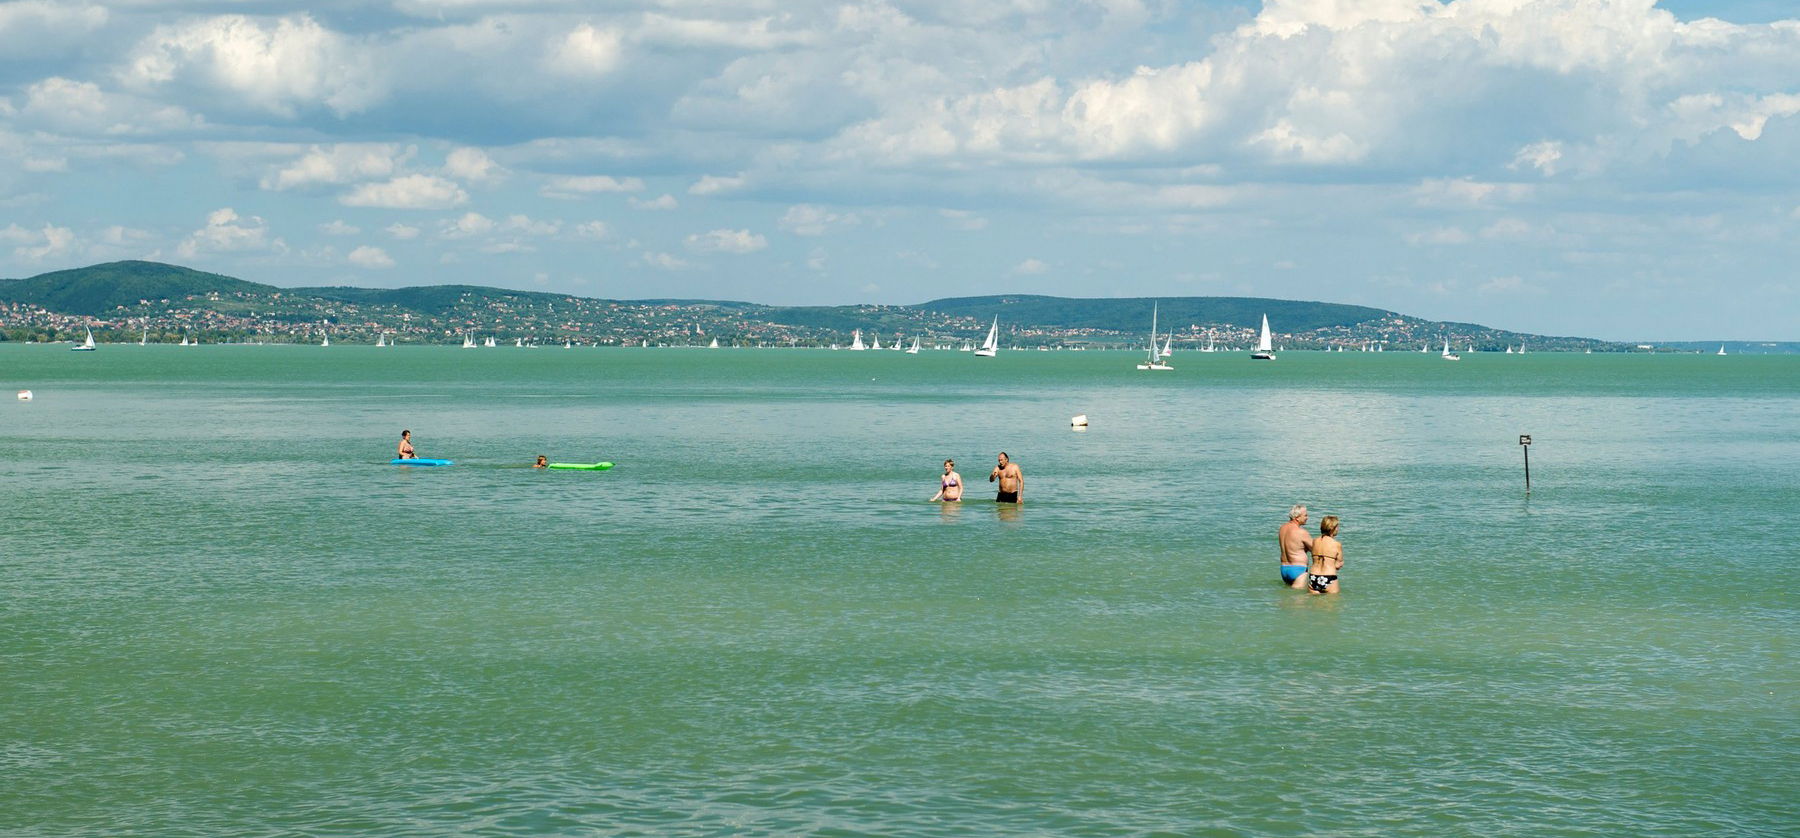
x=1620, y=169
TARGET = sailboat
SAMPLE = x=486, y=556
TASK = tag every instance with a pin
x=1265, y=348
x=1721, y=349
x=1154, y=362
x=877, y=339
x=1209, y=343
x=1168, y=342
x=1447, y=354
x=145, y=340
x=1509, y=350
x=326, y=341
x=915, y=347
x=184, y=339
x=381, y=338
x=714, y=344
x=86, y=345
x=967, y=347
x=469, y=340
x=992, y=344
x=519, y=342
x=488, y=343
x=856, y=344
x=899, y=342
x=568, y=344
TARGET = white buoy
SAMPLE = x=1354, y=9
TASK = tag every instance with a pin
x=24, y=395
x=1078, y=421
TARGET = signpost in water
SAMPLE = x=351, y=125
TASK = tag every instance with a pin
x=1525, y=445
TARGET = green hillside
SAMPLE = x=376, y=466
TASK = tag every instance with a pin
x=1128, y=314
x=437, y=300
x=98, y=289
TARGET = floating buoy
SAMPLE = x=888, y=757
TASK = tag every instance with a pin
x=1078, y=421
x=24, y=395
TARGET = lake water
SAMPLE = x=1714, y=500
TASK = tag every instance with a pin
x=223, y=613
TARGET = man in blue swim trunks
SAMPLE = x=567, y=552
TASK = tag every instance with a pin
x=1296, y=546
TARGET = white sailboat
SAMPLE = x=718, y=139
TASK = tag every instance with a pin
x=1265, y=347
x=856, y=344
x=488, y=343
x=469, y=340
x=184, y=339
x=1721, y=349
x=877, y=339
x=899, y=342
x=1509, y=350
x=915, y=347
x=1209, y=343
x=86, y=345
x=326, y=341
x=1168, y=343
x=381, y=339
x=519, y=342
x=992, y=344
x=568, y=344
x=967, y=347
x=145, y=340
x=1154, y=362
x=1447, y=354
x=714, y=344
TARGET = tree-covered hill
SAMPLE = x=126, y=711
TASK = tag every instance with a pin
x=99, y=289
x=1127, y=314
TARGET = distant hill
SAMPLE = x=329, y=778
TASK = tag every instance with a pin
x=99, y=289
x=169, y=300
x=1133, y=313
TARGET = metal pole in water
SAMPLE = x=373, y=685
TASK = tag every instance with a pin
x=1525, y=444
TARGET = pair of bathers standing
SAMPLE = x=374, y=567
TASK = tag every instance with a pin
x=1006, y=497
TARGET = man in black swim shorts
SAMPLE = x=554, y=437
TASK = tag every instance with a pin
x=1011, y=480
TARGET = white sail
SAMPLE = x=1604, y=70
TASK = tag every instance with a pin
x=1721, y=349
x=184, y=339
x=915, y=347
x=469, y=340
x=1154, y=362
x=714, y=344
x=856, y=344
x=519, y=342
x=145, y=340
x=1168, y=345
x=326, y=341
x=86, y=345
x=381, y=339
x=1265, y=343
x=1447, y=354
x=992, y=344
x=877, y=339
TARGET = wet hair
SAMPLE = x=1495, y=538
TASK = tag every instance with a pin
x=950, y=463
x=405, y=433
x=1328, y=525
x=542, y=457
x=1296, y=512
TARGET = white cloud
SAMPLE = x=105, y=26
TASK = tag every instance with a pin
x=1454, y=192
x=1544, y=156
x=408, y=192
x=527, y=226
x=467, y=225
x=716, y=184
x=79, y=107
x=664, y=261
x=811, y=220
x=278, y=67
x=963, y=219
x=338, y=227
x=585, y=52
x=43, y=28
x=727, y=241
x=472, y=164
x=339, y=164
x=592, y=230
x=227, y=232
x=119, y=235
x=370, y=257
x=666, y=202
x=1030, y=267
x=1508, y=286
x=38, y=245
x=402, y=231
x=1440, y=235
x=582, y=186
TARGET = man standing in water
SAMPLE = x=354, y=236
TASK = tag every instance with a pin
x=1012, y=481
x=1294, y=543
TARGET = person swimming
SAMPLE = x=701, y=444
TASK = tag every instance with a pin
x=1327, y=558
x=542, y=462
x=950, y=486
x=406, y=447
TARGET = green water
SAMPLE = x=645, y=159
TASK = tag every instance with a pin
x=223, y=613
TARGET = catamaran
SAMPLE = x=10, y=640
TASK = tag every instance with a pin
x=1154, y=362
x=86, y=345
x=469, y=341
x=1265, y=347
x=1447, y=354
x=992, y=344
x=856, y=344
